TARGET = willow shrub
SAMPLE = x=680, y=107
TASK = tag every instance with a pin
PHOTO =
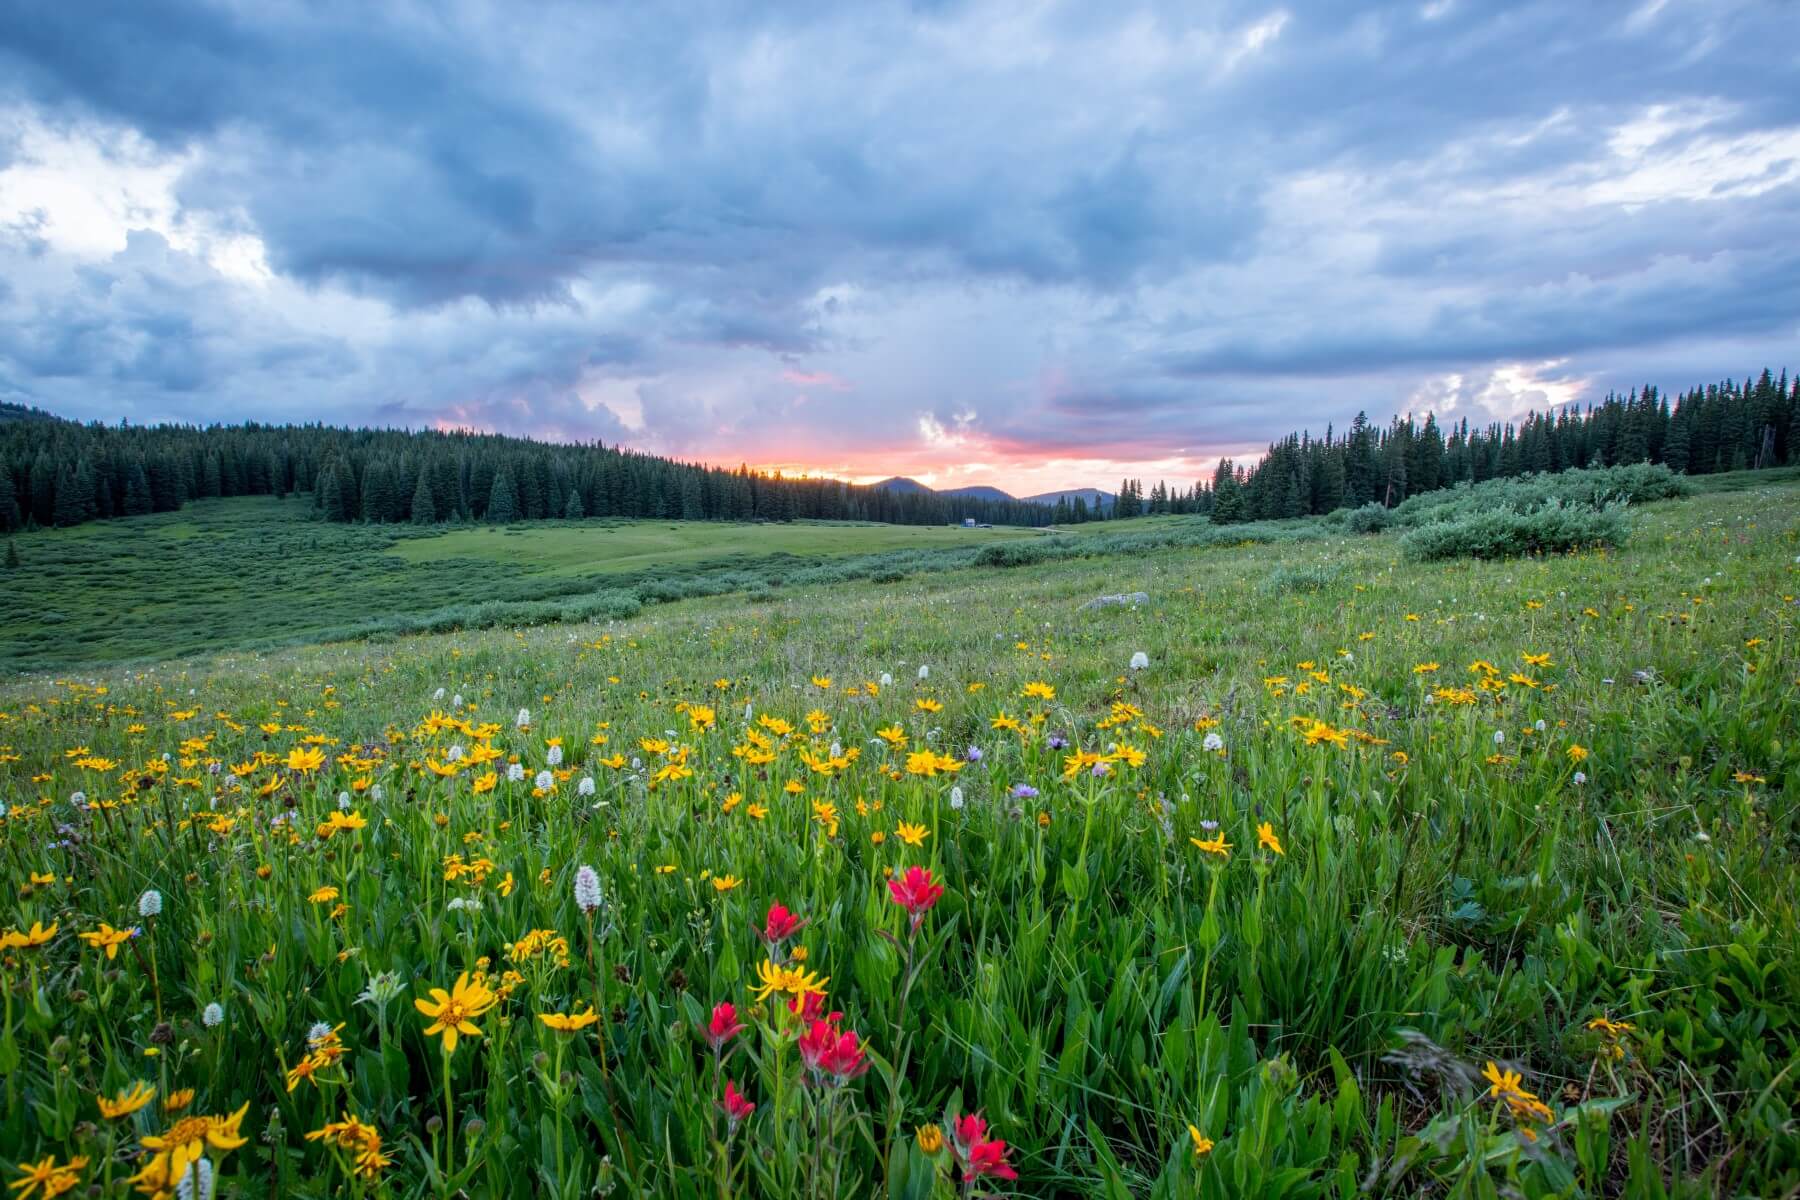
x=1552, y=528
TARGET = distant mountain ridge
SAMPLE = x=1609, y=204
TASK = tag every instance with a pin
x=1093, y=497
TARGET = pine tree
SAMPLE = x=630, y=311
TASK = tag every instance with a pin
x=9, y=504
x=424, y=509
x=137, y=492
x=572, y=511
x=502, y=505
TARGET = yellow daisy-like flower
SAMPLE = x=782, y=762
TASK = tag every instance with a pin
x=106, y=938
x=173, y=1152
x=1265, y=836
x=569, y=1022
x=912, y=835
x=794, y=981
x=724, y=883
x=1202, y=1144
x=126, y=1102
x=45, y=1178
x=1214, y=845
x=453, y=1013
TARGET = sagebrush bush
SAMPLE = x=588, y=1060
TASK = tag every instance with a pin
x=1508, y=533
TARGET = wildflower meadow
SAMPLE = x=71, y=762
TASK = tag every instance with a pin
x=1318, y=872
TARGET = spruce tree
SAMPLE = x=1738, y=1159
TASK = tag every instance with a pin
x=572, y=511
x=137, y=491
x=424, y=509
x=503, y=504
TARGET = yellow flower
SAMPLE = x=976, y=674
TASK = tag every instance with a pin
x=569, y=1022
x=1536, y=660
x=724, y=883
x=341, y=822
x=795, y=981
x=1577, y=752
x=31, y=939
x=361, y=1140
x=1038, y=690
x=324, y=895
x=1265, y=836
x=108, y=938
x=453, y=1013
x=1215, y=845
x=1504, y=1082
x=126, y=1102
x=173, y=1152
x=1131, y=756
x=46, y=1175
x=912, y=835
x=931, y=1139
x=1202, y=1144
x=822, y=682
x=305, y=760
x=178, y=1099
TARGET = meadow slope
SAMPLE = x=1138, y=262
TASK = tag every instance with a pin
x=1377, y=878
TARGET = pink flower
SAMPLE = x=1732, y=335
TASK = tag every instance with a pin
x=724, y=1025
x=781, y=925
x=978, y=1155
x=915, y=892
x=736, y=1107
x=833, y=1052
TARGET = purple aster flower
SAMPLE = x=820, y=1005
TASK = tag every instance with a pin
x=1024, y=791
x=974, y=754
x=1057, y=741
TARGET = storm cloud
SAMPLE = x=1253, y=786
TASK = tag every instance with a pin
x=1027, y=244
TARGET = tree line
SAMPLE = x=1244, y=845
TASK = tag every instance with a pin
x=1727, y=426
x=60, y=473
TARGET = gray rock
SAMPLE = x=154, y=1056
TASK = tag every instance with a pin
x=1132, y=598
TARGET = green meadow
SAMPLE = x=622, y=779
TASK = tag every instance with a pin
x=259, y=572
x=1375, y=877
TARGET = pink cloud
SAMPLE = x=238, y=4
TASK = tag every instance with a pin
x=824, y=379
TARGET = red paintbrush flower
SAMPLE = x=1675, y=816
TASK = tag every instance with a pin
x=780, y=925
x=810, y=1006
x=834, y=1053
x=724, y=1025
x=915, y=892
x=734, y=1104
x=978, y=1155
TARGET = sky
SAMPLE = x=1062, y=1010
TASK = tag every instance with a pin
x=1036, y=245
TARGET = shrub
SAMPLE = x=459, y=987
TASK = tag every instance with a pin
x=1372, y=517
x=1637, y=483
x=1507, y=532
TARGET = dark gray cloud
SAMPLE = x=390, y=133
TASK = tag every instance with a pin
x=1088, y=230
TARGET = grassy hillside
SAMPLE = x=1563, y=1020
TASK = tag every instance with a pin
x=617, y=547
x=228, y=574
x=1361, y=830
